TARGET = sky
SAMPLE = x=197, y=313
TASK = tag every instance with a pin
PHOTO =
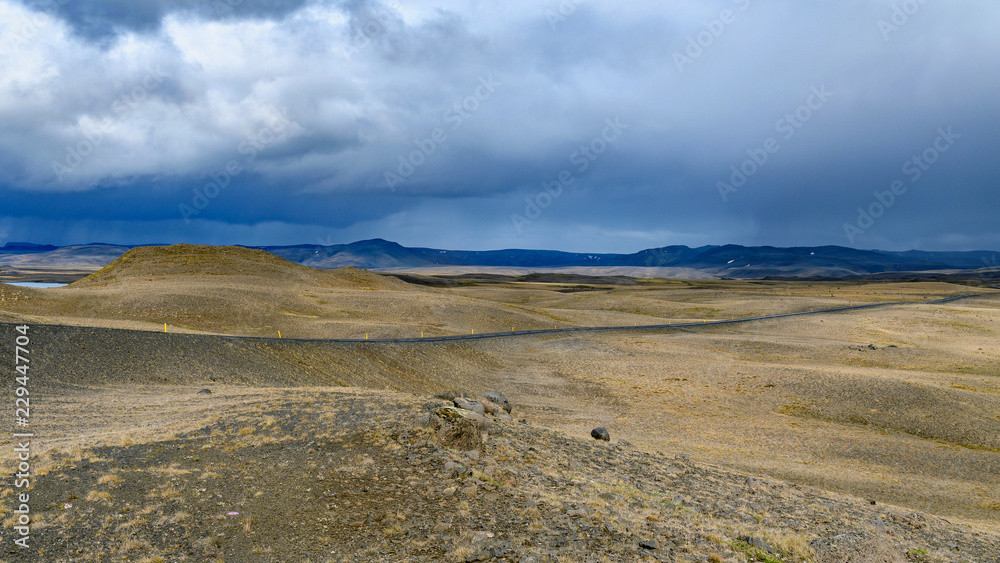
x=578, y=125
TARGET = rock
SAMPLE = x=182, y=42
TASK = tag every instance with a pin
x=455, y=413
x=457, y=470
x=448, y=395
x=479, y=545
x=856, y=547
x=600, y=433
x=474, y=406
x=758, y=543
x=492, y=408
x=205, y=392
x=498, y=398
x=649, y=545
x=458, y=428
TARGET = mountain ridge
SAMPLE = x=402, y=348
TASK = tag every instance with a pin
x=723, y=261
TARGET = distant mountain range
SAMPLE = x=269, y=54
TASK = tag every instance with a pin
x=729, y=261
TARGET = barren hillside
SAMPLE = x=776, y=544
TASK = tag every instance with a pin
x=241, y=291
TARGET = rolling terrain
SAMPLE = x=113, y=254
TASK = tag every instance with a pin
x=236, y=290
x=878, y=421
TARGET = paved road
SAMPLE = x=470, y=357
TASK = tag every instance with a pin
x=660, y=327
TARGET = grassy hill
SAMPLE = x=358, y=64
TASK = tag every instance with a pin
x=244, y=291
x=199, y=263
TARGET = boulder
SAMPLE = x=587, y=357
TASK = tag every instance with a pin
x=601, y=433
x=457, y=413
x=470, y=405
x=492, y=408
x=498, y=398
x=459, y=428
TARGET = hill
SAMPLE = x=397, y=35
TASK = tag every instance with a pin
x=250, y=292
x=224, y=264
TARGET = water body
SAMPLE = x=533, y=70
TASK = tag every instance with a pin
x=37, y=285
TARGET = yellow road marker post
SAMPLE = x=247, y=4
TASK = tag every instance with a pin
x=279, y=334
x=164, y=327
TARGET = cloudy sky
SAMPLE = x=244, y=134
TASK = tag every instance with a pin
x=585, y=125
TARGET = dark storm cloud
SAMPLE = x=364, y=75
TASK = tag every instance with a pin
x=438, y=122
x=101, y=20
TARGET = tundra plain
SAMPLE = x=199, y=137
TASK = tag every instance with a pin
x=895, y=406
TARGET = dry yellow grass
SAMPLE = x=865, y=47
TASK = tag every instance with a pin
x=99, y=496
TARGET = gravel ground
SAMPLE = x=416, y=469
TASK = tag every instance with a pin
x=359, y=476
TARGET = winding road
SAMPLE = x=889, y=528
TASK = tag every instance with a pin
x=548, y=331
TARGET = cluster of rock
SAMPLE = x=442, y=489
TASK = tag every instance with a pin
x=461, y=423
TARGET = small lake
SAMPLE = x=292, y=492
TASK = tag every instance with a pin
x=37, y=285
